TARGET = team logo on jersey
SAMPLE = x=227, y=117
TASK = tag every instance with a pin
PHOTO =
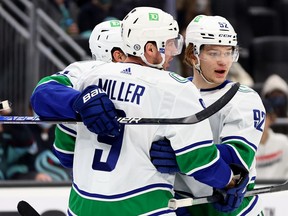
x=245, y=89
x=153, y=17
x=178, y=78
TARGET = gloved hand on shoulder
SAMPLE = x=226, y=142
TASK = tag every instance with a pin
x=97, y=111
x=233, y=197
x=163, y=156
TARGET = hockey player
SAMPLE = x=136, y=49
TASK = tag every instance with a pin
x=54, y=95
x=211, y=48
x=114, y=175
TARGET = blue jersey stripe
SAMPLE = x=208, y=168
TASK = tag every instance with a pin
x=129, y=193
x=194, y=145
x=239, y=138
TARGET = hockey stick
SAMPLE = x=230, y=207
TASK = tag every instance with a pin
x=178, y=203
x=4, y=105
x=195, y=118
x=25, y=209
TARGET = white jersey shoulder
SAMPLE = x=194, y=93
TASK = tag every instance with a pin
x=74, y=70
x=146, y=74
x=117, y=78
x=245, y=110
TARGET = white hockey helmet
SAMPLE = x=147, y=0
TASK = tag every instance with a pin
x=144, y=24
x=211, y=30
x=104, y=37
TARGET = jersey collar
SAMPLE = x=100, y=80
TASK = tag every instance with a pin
x=212, y=89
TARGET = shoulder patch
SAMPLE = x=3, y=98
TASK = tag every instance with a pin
x=178, y=78
x=245, y=89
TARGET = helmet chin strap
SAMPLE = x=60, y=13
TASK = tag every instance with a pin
x=198, y=68
x=159, y=66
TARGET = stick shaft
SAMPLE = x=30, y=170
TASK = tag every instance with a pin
x=174, y=203
x=192, y=119
x=25, y=209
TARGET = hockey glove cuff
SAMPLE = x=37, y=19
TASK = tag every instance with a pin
x=163, y=156
x=233, y=197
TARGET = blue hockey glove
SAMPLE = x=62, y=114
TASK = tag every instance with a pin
x=163, y=156
x=233, y=197
x=97, y=111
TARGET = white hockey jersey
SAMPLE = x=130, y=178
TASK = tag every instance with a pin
x=239, y=125
x=114, y=176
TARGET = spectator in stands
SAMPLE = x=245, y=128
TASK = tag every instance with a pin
x=44, y=160
x=91, y=14
x=188, y=9
x=272, y=153
x=275, y=89
x=66, y=16
x=80, y=3
x=120, y=8
x=17, y=147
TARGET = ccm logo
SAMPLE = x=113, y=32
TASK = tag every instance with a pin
x=225, y=35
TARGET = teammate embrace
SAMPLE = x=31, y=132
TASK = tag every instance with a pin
x=112, y=169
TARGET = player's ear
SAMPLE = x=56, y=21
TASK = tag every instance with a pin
x=151, y=53
x=150, y=48
x=118, y=56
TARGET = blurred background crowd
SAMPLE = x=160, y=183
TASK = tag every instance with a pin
x=41, y=37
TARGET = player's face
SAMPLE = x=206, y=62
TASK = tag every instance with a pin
x=215, y=62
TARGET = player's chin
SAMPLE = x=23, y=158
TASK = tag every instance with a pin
x=219, y=80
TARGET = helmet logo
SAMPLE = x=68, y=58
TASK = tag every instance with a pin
x=137, y=47
x=197, y=18
x=114, y=23
x=225, y=35
x=153, y=17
